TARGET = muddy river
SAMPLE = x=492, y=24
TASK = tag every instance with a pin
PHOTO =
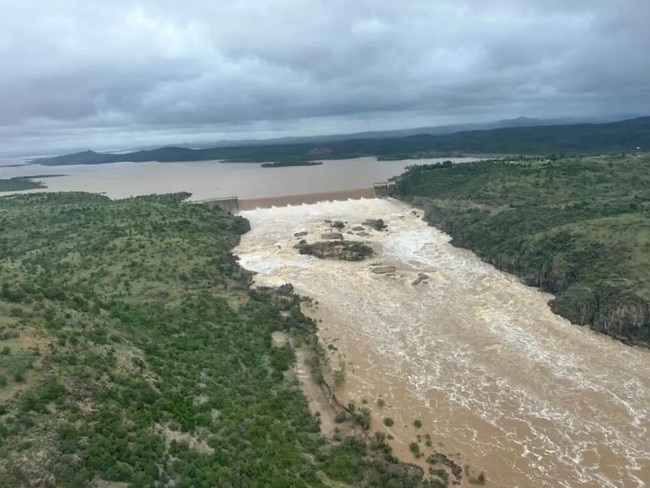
x=498, y=381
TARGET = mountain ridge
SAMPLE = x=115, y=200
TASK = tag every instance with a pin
x=624, y=135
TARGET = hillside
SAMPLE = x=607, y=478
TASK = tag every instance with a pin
x=570, y=139
x=134, y=354
x=578, y=227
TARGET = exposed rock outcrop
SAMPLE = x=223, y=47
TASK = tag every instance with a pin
x=421, y=277
x=408, y=469
x=342, y=250
x=384, y=269
x=455, y=468
x=332, y=235
x=377, y=224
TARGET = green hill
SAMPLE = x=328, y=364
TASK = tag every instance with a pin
x=577, y=227
x=134, y=354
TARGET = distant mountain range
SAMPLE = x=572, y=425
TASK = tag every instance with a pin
x=394, y=133
x=526, y=138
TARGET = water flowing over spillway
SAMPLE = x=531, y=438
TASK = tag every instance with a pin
x=498, y=381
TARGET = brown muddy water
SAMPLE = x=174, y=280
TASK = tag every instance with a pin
x=499, y=382
x=213, y=179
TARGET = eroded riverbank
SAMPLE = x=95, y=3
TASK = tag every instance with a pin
x=498, y=381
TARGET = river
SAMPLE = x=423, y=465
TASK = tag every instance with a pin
x=499, y=382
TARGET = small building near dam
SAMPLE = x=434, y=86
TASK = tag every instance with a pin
x=384, y=189
x=229, y=204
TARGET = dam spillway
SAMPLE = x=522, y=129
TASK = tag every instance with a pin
x=498, y=381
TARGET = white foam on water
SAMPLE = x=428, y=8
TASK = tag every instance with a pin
x=552, y=403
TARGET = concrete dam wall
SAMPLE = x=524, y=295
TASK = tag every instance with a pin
x=234, y=204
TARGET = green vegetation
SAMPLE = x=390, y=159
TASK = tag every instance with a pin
x=20, y=183
x=414, y=447
x=478, y=480
x=16, y=365
x=285, y=164
x=146, y=360
x=440, y=473
x=420, y=155
x=339, y=375
x=388, y=422
x=417, y=424
x=575, y=138
x=578, y=227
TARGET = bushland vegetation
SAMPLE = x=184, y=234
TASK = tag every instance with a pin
x=134, y=353
x=577, y=227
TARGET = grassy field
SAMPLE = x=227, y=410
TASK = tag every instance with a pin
x=577, y=227
x=133, y=353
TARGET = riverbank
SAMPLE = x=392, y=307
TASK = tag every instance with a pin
x=574, y=227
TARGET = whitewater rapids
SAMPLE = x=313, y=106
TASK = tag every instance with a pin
x=499, y=382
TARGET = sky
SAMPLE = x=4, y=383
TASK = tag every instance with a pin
x=120, y=74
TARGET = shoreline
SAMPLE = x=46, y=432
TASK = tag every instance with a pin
x=627, y=341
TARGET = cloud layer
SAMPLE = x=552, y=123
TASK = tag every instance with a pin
x=91, y=74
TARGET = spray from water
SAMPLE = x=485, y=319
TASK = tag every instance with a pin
x=497, y=380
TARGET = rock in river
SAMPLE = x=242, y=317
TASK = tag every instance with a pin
x=377, y=224
x=332, y=235
x=342, y=250
x=384, y=269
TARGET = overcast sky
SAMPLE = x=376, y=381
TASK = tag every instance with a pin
x=119, y=73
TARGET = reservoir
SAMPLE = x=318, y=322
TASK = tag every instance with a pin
x=211, y=179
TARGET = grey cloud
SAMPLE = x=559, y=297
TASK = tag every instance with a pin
x=77, y=72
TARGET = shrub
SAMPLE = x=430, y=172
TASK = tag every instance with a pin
x=340, y=418
x=478, y=480
x=414, y=447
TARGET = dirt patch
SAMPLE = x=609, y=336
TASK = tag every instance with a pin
x=279, y=339
x=317, y=401
x=194, y=443
x=100, y=483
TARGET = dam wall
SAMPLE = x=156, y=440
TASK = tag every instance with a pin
x=305, y=199
x=229, y=204
x=235, y=204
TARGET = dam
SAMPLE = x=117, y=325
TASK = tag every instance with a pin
x=235, y=204
x=494, y=379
